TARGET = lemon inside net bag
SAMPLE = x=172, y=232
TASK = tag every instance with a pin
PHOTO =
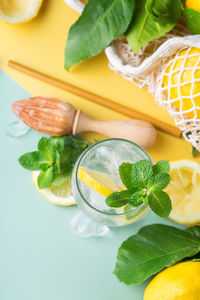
x=169, y=68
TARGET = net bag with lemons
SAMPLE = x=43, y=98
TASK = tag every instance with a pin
x=168, y=67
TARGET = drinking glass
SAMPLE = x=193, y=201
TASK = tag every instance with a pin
x=105, y=157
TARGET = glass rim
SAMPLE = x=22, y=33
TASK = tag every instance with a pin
x=78, y=165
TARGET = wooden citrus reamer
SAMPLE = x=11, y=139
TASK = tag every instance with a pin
x=172, y=130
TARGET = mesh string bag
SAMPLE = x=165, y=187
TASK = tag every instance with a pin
x=169, y=68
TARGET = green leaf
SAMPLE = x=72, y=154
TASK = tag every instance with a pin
x=33, y=161
x=160, y=203
x=158, y=182
x=141, y=172
x=118, y=199
x=192, y=20
x=137, y=198
x=146, y=27
x=57, y=142
x=152, y=249
x=128, y=208
x=56, y=165
x=45, y=178
x=194, y=151
x=59, y=179
x=195, y=230
x=125, y=172
x=101, y=22
x=47, y=149
x=162, y=166
x=162, y=10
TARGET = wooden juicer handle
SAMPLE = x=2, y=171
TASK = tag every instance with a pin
x=137, y=131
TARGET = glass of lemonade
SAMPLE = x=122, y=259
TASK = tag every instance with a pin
x=101, y=162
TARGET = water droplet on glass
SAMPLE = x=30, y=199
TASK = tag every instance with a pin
x=84, y=227
x=16, y=129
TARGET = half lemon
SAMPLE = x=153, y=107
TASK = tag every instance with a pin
x=61, y=195
x=15, y=11
x=184, y=191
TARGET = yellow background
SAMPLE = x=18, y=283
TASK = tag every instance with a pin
x=40, y=45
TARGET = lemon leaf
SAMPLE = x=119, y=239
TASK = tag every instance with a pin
x=152, y=249
x=148, y=24
x=101, y=22
x=192, y=20
x=195, y=230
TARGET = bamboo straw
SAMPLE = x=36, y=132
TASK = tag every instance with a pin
x=172, y=130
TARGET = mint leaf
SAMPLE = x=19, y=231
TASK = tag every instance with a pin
x=118, y=199
x=152, y=249
x=47, y=149
x=158, y=182
x=33, y=161
x=137, y=198
x=45, y=178
x=192, y=20
x=101, y=22
x=59, y=179
x=57, y=142
x=75, y=141
x=162, y=166
x=141, y=172
x=55, y=157
x=125, y=172
x=128, y=208
x=160, y=203
x=56, y=164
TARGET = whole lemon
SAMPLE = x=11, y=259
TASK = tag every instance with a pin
x=194, y=4
x=179, y=282
x=182, y=81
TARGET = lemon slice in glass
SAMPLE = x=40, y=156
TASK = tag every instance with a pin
x=184, y=191
x=100, y=182
x=15, y=11
x=61, y=195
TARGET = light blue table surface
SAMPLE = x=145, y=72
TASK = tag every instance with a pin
x=40, y=258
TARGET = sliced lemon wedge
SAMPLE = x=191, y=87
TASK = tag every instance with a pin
x=100, y=182
x=61, y=195
x=15, y=11
x=184, y=191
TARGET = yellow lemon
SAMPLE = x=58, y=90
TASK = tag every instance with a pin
x=15, y=11
x=179, y=77
x=61, y=195
x=179, y=282
x=184, y=191
x=98, y=181
x=194, y=4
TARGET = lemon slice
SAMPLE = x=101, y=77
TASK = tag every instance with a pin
x=15, y=11
x=98, y=181
x=184, y=191
x=61, y=195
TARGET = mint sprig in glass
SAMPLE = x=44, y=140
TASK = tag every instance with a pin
x=145, y=184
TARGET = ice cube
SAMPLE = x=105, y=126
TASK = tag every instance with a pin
x=84, y=227
x=17, y=129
